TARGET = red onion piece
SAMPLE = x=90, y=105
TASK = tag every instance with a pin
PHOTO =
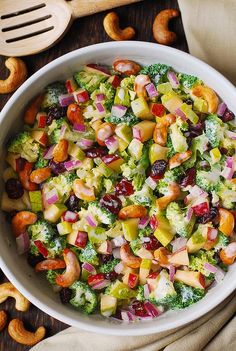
x=219, y=275
x=116, y=252
x=127, y=316
x=85, y=143
x=231, y=135
x=100, y=97
x=66, y=99
x=118, y=110
x=89, y=268
x=221, y=109
x=91, y=221
x=143, y=222
x=63, y=130
x=136, y=133
x=228, y=170
x=173, y=79
x=72, y=164
x=100, y=107
x=112, y=143
x=189, y=214
x=22, y=243
x=101, y=285
x=209, y=267
x=119, y=268
x=171, y=272
x=79, y=127
x=70, y=216
x=152, y=310
x=49, y=153
x=151, y=183
x=146, y=291
x=151, y=90
x=181, y=114
x=52, y=197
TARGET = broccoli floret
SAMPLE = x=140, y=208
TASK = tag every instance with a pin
x=128, y=82
x=144, y=196
x=83, y=297
x=109, y=266
x=171, y=152
x=89, y=81
x=214, y=128
x=222, y=241
x=54, y=130
x=136, y=245
x=157, y=72
x=52, y=274
x=140, y=294
x=147, y=231
x=186, y=295
x=178, y=220
x=109, y=91
x=33, y=250
x=199, y=144
x=208, y=181
x=129, y=119
x=188, y=81
x=169, y=177
x=89, y=254
x=24, y=145
x=41, y=230
x=41, y=162
x=109, y=185
x=53, y=91
x=101, y=214
x=56, y=246
x=62, y=183
x=227, y=194
x=178, y=140
x=197, y=261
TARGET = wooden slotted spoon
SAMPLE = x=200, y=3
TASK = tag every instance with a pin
x=31, y=26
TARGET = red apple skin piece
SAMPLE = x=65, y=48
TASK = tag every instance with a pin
x=180, y=258
x=194, y=279
x=113, y=161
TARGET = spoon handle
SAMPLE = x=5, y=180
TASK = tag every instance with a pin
x=80, y=8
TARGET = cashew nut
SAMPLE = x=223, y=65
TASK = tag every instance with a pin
x=161, y=129
x=129, y=259
x=18, y=333
x=8, y=290
x=112, y=28
x=50, y=263
x=228, y=255
x=40, y=175
x=82, y=191
x=72, y=271
x=24, y=176
x=104, y=131
x=132, y=211
x=160, y=29
x=179, y=158
x=126, y=67
x=21, y=220
x=173, y=194
x=33, y=109
x=139, y=85
x=3, y=320
x=60, y=152
x=207, y=94
x=18, y=74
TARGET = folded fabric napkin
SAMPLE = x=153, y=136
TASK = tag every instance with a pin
x=210, y=27
x=213, y=332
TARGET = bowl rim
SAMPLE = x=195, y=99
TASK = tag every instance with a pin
x=113, y=330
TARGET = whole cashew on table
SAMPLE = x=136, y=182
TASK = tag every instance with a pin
x=18, y=74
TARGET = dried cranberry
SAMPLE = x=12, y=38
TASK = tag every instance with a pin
x=188, y=102
x=189, y=178
x=228, y=116
x=57, y=167
x=20, y=164
x=111, y=276
x=55, y=112
x=72, y=203
x=106, y=258
x=139, y=309
x=223, y=150
x=14, y=188
x=10, y=215
x=111, y=203
x=96, y=152
x=124, y=187
x=158, y=168
x=209, y=216
x=33, y=260
x=153, y=244
x=65, y=295
x=196, y=129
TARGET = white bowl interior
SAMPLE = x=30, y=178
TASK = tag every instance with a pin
x=35, y=288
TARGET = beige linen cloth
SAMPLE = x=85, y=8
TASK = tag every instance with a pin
x=210, y=27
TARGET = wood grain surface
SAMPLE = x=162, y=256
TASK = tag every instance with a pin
x=84, y=31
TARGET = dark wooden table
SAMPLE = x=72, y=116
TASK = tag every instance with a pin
x=85, y=31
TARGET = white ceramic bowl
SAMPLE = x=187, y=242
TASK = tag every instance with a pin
x=16, y=268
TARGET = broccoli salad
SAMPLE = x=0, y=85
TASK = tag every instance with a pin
x=121, y=189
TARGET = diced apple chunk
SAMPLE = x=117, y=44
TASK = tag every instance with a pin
x=135, y=149
x=130, y=228
x=180, y=258
x=143, y=131
x=108, y=305
x=141, y=109
x=164, y=232
x=194, y=279
x=54, y=212
x=157, y=152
